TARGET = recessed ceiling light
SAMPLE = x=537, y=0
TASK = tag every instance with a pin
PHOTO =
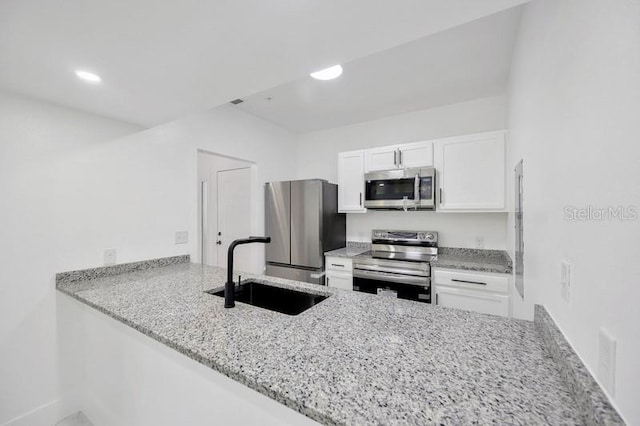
x=88, y=76
x=327, y=73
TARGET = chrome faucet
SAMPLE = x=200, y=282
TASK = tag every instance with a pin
x=229, y=286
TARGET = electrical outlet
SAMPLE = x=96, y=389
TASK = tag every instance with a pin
x=607, y=361
x=109, y=257
x=479, y=242
x=566, y=280
x=182, y=237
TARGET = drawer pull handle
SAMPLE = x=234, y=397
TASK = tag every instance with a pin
x=337, y=264
x=468, y=282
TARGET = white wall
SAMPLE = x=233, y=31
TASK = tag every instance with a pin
x=39, y=144
x=573, y=117
x=71, y=186
x=318, y=157
x=132, y=380
x=155, y=191
x=318, y=151
x=455, y=229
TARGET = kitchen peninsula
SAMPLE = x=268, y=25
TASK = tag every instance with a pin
x=352, y=359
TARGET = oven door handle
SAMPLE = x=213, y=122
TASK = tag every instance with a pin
x=397, y=271
x=394, y=278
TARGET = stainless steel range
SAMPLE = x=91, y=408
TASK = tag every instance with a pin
x=397, y=265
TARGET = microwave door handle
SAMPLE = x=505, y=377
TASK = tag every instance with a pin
x=416, y=191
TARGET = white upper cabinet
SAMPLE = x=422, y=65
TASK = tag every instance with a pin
x=351, y=182
x=419, y=154
x=471, y=172
x=385, y=158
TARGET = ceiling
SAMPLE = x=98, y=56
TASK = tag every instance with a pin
x=462, y=63
x=162, y=59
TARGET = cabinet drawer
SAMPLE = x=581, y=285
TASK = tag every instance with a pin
x=475, y=301
x=340, y=280
x=497, y=283
x=341, y=264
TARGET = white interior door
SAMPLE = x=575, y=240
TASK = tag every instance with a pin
x=234, y=216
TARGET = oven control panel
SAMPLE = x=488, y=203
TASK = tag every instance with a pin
x=427, y=236
x=379, y=235
x=419, y=236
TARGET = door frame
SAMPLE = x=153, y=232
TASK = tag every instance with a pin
x=257, y=265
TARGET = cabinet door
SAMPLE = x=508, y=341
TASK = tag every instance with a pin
x=385, y=158
x=471, y=172
x=338, y=280
x=419, y=154
x=351, y=182
x=476, y=301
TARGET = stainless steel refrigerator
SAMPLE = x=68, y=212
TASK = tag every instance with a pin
x=303, y=222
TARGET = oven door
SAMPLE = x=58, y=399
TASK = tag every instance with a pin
x=410, y=287
x=398, y=189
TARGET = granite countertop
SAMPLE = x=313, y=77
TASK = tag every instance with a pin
x=352, y=359
x=473, y=260
x=352, y=249
x=497, y=261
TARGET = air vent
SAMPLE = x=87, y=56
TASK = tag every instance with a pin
x=236, y=101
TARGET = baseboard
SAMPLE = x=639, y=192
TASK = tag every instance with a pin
x=45, y=415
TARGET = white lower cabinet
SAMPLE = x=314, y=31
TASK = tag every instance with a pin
x=339, y=271
x=340, y=280
x=482, y=292
x=496, y=304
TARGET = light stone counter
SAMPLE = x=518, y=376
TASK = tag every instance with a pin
x=352, y=359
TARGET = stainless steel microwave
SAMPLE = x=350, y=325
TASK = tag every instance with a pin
x=406, y=189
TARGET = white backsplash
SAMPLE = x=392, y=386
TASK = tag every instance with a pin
x=454, y=229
